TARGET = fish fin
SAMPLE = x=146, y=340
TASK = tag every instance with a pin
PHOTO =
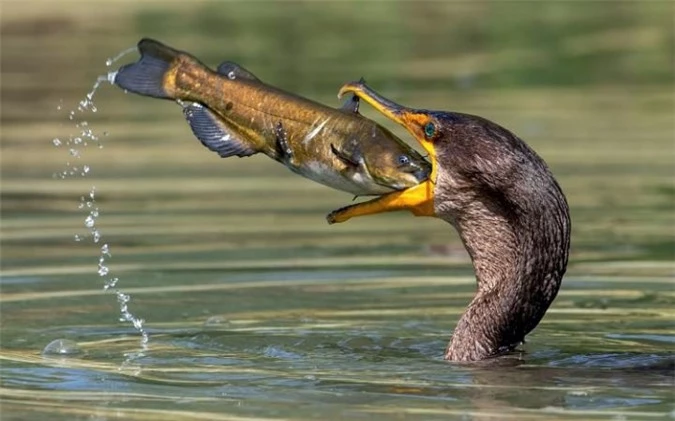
x=350, y=158
x=213, y=133
x=284, y=149
x=351, y=105
x=234, y=71
x=146, y=76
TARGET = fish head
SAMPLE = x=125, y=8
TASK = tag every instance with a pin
x=392, y=163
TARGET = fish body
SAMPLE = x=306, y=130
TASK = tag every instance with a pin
x=233, y=113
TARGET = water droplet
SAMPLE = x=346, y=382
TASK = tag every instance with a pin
x=57, y=142
x=231, y=75
x=111, y=283
x=89, y=221
x=62, y=347
x=103, y=270
x=138, y=323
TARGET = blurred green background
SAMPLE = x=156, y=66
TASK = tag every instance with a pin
x=588, y=84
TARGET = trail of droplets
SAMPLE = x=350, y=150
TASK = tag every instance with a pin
x=75, y=143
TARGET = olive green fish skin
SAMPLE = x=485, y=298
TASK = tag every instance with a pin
x=336, y=147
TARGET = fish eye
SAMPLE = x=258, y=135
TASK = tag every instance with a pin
x=403, y=160
x=429, y=130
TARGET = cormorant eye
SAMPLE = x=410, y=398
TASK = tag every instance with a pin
x=429, y=130
x=403, y=160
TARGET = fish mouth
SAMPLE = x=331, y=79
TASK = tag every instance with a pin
x=400, y=181
x=413, y=120
x=419, y=199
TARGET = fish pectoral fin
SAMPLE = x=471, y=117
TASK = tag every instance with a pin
x=351, y=105
x=351, y=158
x=234, y=71
x=283, y=148
x=212, y=131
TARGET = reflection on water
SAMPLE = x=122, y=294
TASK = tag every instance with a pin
x=259, y=310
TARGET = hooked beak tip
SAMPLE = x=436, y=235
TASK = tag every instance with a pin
x=387, y=107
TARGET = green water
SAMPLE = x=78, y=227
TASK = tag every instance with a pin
x=255, y=307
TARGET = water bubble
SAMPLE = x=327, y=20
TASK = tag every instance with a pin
x=77, y=237
x=105, y=250
x=96, y=236
x=62, y=347
x=75, y=152
x=89, y=221
x=85, y=169
x=231, y=75
x=57, y=142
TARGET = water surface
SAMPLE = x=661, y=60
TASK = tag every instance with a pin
x=256, y=308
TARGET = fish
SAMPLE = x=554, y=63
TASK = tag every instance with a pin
x=233, y=113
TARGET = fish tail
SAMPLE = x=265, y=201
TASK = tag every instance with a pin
x=154, y=74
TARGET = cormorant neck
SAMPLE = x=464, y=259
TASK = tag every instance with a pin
x=518, y=242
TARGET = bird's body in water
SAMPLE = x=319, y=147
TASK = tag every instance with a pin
x=233, y=113
x=510, y=212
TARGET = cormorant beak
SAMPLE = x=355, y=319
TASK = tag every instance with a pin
x=418, y=199
x=413, y=120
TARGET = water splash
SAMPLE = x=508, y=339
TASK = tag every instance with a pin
x=109, y=62
x=75, y=144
